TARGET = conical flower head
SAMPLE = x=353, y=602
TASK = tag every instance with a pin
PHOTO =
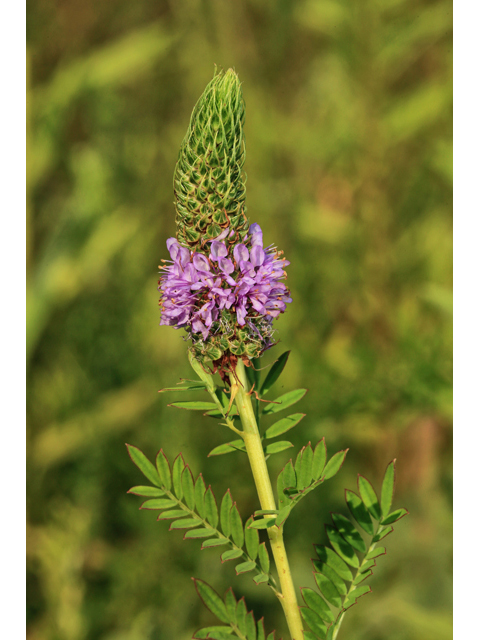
x=209, y=184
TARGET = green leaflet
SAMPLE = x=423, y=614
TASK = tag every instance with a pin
x=388, y=488
x=359, y=511
x=228, y=447
x=214, y=542
x=332, y=575
x=314, y=621
x=170, y=515
x=283, y=515
x=163, y=469
x=394, y=516
x=264, y=557
x=348, y=531
x=354, y=595
x=211, y=600
x=331, y=558
x=185, y=523
x=284, y=425
x=334, y=464
x=375, y=553
x=264, y=523
x=232, y=554
x=369, y=497
x=141, y=461
x=260, y=629
x=250, y=626
x=225, y=508
x=244, y=567
x=194, y=405
x=178, y=467
x=216, y=413
x=274, y=373
x=146, y=491
x=241, y=616
x=252, y=541
x=342, y=547
x=382, y=533
x=260, y=578
x=158, y=503
x=211, y=511
x=230, y=605
x=319, y=459
x=236, y=526
x=276, y=447
x=328, y=589
x=188, y=488
x=200, y=491
x=284, y=401
x=199, y=533
x=314, y=601
x=192, y=386
x=303, y=467
x=289, y=475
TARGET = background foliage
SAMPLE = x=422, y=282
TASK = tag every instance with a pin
x=349, y=162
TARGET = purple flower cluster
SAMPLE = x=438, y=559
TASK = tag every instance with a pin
x=195, y=288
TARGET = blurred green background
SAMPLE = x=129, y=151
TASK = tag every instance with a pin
x=349, y=161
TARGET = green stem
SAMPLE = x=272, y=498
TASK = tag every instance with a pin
x=256, y=456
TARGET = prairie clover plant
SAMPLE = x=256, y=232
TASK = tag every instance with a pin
x=224, y=287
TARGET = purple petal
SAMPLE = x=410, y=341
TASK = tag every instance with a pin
x=257, y=256
x=190, y=273
x=218, y=250
x=173, y=247
x=200, y=262
x=240, y=253
x=256, y=235
x=183, y=255
x=226, y=265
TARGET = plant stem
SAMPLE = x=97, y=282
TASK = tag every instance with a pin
x=256, y=456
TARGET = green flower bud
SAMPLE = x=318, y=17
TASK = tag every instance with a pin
x=209, y=184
